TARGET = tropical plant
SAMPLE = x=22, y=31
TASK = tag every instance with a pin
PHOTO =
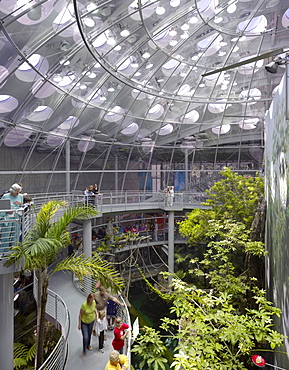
x=151, y=349
x=23, y=355
x=221, y=322
x=41, y=248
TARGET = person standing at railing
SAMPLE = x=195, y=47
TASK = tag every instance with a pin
x=86, y=319
x=11, y=221
x=120, y=332
x=89, y=195
x=170, y=195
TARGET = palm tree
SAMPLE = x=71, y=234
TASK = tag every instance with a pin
x=40, y=249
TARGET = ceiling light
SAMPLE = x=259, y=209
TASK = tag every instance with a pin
x=193, y=20
x=175, y=3
x=185, y=27
x=110, y=41
x=236, y=48
x=134, y=64
x=65, y=45
x=272, y=67
x=89, y=22
x=91, y=75
x=117, y=47
x=160, y=10
x=146, y=55
x=111, y=88
x=102, y=97
x=91, y=7
x=232, y=8
x=64, y=62
x=221, y=53
x=57, y=77
x=173, y=42
x=218, y=20
x=124, y=33
x=184, y=36
x=149, y=66
x=137, y=74
x=172, y=32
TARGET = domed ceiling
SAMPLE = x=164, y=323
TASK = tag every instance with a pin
x=133, y=77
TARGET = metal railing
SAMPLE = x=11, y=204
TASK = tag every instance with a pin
x=57, y=310
x=110, y=201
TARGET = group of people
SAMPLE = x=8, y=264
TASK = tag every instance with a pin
x=98, y=314
x=90, y=194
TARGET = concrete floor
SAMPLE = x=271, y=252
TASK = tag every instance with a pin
x=61, y=283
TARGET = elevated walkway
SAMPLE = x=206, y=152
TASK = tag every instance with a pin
x=62, y=283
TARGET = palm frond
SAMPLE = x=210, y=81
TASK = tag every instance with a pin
x=70, y=214
x=92, y=266
x=44, y=217
x=31, y=353
x=36, y=253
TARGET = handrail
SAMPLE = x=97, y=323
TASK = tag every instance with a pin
x=57, y=310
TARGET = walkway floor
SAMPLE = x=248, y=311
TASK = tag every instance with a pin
x=61, y=283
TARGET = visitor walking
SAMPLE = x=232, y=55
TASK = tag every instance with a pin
x=87, y=315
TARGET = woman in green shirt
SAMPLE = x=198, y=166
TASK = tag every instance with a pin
x=87, y=315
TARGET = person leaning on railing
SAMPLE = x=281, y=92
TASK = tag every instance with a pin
x=10, y=220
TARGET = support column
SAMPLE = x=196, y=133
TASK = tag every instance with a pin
x=67, y=166
x=186, y=169
x=116, y=173
x=171, y=241
x=6, y=321
x=86, y=242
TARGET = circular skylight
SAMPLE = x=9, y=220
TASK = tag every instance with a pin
x=166, y=130
x=115, y=115
x=29, y=71
x=156, y=111
x=221, y=130
x=130, y=129
x=17, y=136
x=85, y=144
x=7, y=103
x=41, y=113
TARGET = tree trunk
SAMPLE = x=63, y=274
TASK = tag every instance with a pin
x=42, y=300
x=39, y=290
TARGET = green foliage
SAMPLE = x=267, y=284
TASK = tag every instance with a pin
x=151, y=349
x=23, y=355
x=213, y=333
x=218, y=325
x=237, y=196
